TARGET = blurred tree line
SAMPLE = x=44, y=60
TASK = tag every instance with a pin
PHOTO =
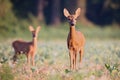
x=103, y=12
x=100, y=12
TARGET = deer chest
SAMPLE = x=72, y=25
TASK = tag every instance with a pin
x=72, y=44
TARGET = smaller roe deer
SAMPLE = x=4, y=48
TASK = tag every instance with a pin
x=27, y=48
x=75, y=40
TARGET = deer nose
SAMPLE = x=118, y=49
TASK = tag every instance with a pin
x=33, y=35
x=72, y=22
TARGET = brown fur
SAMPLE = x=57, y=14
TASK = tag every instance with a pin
x=27, y=48
x=75, y=40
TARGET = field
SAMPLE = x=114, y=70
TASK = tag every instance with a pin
x=101, y=58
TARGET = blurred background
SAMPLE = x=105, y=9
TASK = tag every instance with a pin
x=98, y=19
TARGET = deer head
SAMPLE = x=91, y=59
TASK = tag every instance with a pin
x=71, y=18
x=34, y=32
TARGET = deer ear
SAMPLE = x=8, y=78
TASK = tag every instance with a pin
x=66, y=13
x=77, y=12
x=38, y=28
x=31, y=28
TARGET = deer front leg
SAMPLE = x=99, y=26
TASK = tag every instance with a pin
x=28, y=58
x=75, y=61
x=33, y=59
x=71, y=59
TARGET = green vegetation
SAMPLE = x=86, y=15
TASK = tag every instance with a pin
x=6, y=72
x=60, y=32
x=114, y=70
x=52, y=61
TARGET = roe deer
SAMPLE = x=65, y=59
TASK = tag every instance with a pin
x=75, y=40
x=27, y=48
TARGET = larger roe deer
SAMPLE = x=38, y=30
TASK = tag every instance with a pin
x=75, y=40
x=27, y=48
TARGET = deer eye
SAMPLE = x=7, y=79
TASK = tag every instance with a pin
x=68, y=19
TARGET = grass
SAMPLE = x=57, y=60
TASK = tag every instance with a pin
x=6, y=73
x=52, y=59
x=90, y=32
x=60, y=32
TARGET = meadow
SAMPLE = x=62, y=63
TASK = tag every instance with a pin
x=101, y=59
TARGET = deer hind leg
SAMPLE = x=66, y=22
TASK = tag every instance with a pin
x=15, y=57
x=81, y=54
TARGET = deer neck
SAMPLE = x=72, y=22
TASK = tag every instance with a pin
x=72, y=32
x=34, y=42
